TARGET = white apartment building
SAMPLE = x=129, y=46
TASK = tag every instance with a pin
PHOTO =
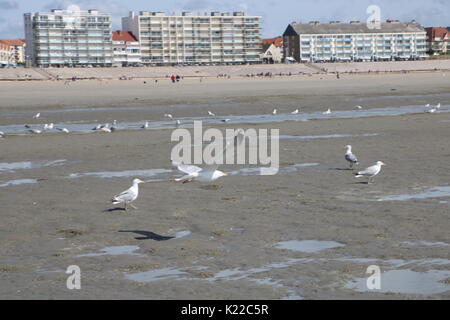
x=126, y=49
x=217, y=38
x=68, y=38
x=354, y=41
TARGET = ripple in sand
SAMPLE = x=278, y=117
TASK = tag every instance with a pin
x=113, y=251
x=310, y=246
x=436, y=192
x=27, y=165
x=18, y=182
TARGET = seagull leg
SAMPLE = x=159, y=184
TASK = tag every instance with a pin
x=135, y=208
x=126, y=209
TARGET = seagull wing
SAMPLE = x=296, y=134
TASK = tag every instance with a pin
x=350, y=157
x=127, y=195
x=369, y=171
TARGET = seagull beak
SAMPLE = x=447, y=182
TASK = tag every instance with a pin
x=225, y=174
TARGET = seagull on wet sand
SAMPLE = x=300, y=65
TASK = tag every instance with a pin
x=370, y=171
x=350, y=157
x=168, y=115
x=211, y=114
x=274, y=112
x=35, y=131
x=327, y=112
x=128, y=195
x=145, y=125
x=359, y=107
x=65, y=130
x=37, y=115
x=2, y=134
x=295, y=112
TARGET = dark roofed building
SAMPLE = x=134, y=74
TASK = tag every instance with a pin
x=354, y=41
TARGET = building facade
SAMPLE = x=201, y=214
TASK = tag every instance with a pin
x=217, y=38
x=126, y=49
x=68, y=38
x=16, y=51
x=438, y=40
x=5, y=54
x=272, y=50
x=354, y=41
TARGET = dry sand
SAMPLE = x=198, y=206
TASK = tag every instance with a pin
x=235, y=223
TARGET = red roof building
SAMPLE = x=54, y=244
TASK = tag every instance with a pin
x=126, y=49
x=16, y=51
x=438, y=39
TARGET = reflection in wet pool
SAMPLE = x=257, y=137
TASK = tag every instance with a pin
x=407, y=282
x=436, y=192
x=113, y=251
x=309, y=246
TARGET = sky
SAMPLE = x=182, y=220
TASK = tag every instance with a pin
x=275, y=14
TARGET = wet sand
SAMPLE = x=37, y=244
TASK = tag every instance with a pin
x=222, y=240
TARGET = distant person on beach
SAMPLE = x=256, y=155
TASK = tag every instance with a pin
x=173, y=78
x=178, y=78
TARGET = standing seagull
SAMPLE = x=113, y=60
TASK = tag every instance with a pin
x=350, y=157
x=274, y=112
x=370, y=171
x=327, y=112
x=295, y=112
x=168, y=115
x=37, y=115
x=359, y=107
x=128, y=195
x=145, y=125
x=211, y=114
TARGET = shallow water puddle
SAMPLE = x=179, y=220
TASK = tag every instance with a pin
x=18, y=182
x=260, y=118
x=310, y=246
x=269, y=170
x=427, y=244
x=26, y=165
x=122, y=174
x=435, y=192
x=407, y=282
x=330, y=136
x=113, y=251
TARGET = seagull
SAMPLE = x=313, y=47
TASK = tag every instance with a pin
x=327, y=112
x=105, y=129
x=37, y=115
x=438, y=106
x=65, y=130
x=2, y=134
x=35, y=131
x=350, y=157
x=359, y=107
x=209, y=172
x=432, y=110
x=168, y=115
x=145, y=125
x=178, y=122
x=427, y=105
x=211, y=114
x=295, y=112
x=370, y=171
x=48, y=126
x=274, y=112
x=128, y=195
x=114, y=127
x=97, y=127
x=225, y=120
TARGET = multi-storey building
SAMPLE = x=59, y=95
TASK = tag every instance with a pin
x=196, y=39
x=438, y=40
x=354, y=41
x=126, y=49
x=17, y=50
x=68, y=38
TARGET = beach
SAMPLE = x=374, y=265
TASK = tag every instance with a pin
x=308, y=232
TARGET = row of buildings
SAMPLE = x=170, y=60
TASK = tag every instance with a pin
x=85, y=38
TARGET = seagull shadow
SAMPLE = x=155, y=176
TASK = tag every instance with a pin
x=114, y=209
x=361, y=182
x=148, y=235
